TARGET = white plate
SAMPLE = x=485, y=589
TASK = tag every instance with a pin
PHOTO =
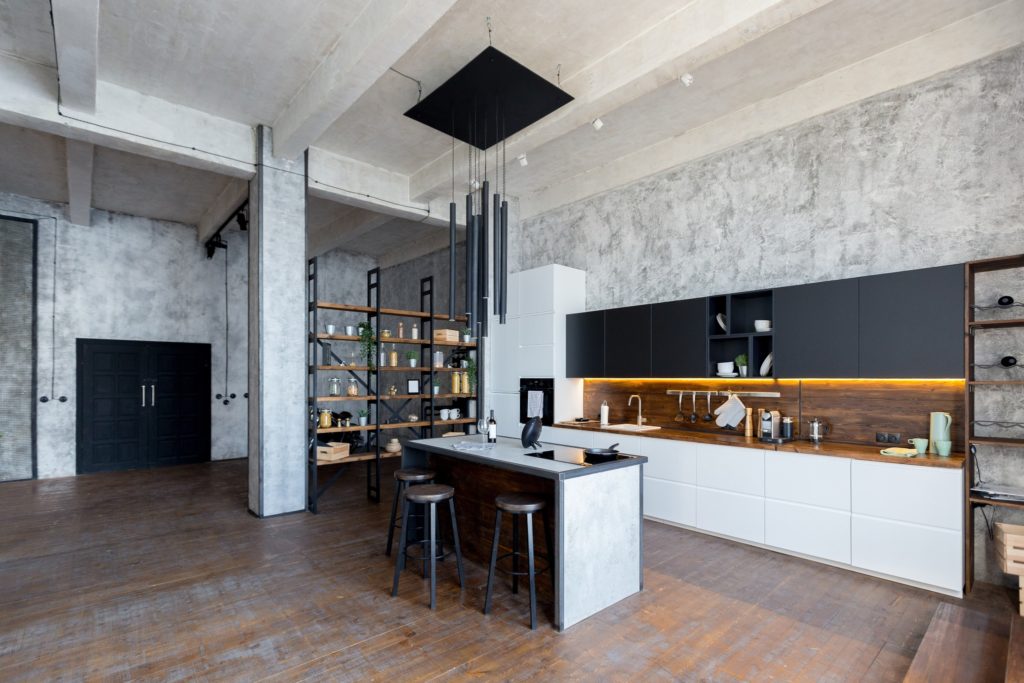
x=766, y=366
x=728, y=374
x=720, y=318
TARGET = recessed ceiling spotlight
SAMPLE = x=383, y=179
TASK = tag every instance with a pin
x=522, y=160
x=686, y=79
x=598, y=124
x=475, y=184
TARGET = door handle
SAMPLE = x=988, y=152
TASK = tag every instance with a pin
x=152, y=395
x=143, y=395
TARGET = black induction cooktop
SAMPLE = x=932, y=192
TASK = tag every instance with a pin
x=576, y=457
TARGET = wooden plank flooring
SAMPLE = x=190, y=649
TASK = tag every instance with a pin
x=962, y=645
x=163, y=575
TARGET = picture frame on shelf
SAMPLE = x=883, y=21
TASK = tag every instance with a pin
x=412, y=386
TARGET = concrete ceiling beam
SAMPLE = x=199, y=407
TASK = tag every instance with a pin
x=383, y=32
x=347, y=181
x=76, y=31
x=226, y=204
x=697, y=33
x=975, y=37
x=428, y=244
x=346, y=228
x=79, y=166
x=128, y=121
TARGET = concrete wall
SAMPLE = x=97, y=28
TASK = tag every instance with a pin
x=401, y=283
x=919, y=176
x=134, y=278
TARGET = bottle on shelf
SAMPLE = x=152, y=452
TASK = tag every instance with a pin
x=492, y=429
x=401, y=330
x=393, y=357
x=415, y=331
x=604, y=413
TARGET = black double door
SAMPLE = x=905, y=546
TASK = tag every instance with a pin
x=142, y=404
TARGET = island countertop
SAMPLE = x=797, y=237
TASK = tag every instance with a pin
x=510, y=454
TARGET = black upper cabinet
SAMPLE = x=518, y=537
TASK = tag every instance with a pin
x=815, y=329
x=627, y=342
x=678, y=338
x=911, y=323
x=584, y=344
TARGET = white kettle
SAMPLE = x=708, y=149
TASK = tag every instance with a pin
x=939, y=429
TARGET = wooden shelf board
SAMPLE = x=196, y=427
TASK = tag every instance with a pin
x=365, y=397
x=358, y=457
x=975, y=500
x=990, y=324
x=397, y=312
x=394, y=425
x=996, y=441
x=363, y=368
x=395, y=340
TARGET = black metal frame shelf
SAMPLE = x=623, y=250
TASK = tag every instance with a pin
x=369, y=377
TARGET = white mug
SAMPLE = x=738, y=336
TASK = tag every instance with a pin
x=330, y=329
x=726, y=368
x=455, y=413
x=445, y=414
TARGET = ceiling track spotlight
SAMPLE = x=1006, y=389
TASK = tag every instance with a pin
x=522, y=160
x=686, y=79
x=598, y=124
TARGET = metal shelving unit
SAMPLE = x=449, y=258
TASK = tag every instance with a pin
x=972, y=441
x=320, y=350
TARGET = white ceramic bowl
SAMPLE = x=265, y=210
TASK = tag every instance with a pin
x=726, y=368
x=762, y=325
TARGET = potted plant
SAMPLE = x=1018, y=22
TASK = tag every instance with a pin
x=367, y=343
x=741, y=363
x=471, y=373
x=413, y=357
x=364, y=417
x=467, y=335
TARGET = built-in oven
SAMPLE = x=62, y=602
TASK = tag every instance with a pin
x=537, y=397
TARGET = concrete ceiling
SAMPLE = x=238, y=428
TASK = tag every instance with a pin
x=174, y=85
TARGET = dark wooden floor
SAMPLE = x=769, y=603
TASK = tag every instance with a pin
x=163, y=575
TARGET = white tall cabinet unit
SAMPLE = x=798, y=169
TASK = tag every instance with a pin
x=532, y=343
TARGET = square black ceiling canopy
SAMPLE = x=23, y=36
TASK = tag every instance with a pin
x=489, y=99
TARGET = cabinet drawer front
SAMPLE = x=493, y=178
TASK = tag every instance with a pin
x=919, y=553
x=809, y=479
x=536, y=361
x=731, y=468
x=536, y=330
x=670, y=501
x=671, y=460
x=731, y=514
x=909, y=493
x=814, y=531
x=566, y=437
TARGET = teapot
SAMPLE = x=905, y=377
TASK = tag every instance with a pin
x=817, y=429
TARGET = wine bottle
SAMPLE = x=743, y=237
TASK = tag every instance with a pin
x=492, y=429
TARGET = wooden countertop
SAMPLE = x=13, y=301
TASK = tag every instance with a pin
x=826, y=448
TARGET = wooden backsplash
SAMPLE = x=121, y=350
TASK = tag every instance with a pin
x=855, y=409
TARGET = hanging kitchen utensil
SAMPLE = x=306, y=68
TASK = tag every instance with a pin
x=693, y=406
x=707, y=416
x=679, y=412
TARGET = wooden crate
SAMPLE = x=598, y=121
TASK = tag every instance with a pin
x=1010, y=555
x=446, y=335
x=332, y=452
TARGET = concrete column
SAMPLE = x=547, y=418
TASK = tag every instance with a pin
x=277, y=333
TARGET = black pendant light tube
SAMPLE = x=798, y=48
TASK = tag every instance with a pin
x=499, y=274
x=451, y=261
x=484, y=244
x=481, y=283
x=503, y=268
x=472, y=259
x=469, y=256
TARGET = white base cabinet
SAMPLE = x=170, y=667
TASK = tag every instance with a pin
x=900, y=521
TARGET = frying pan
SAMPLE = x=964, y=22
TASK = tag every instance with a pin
x=602, y=452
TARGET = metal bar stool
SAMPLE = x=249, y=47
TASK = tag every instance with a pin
x=519, y=504
x=429, y=495
x=403, y=478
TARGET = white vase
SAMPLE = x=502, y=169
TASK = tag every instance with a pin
x=363, y=421
x=412, y=362
x=743, y=371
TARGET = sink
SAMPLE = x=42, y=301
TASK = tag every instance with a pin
x=633, y=428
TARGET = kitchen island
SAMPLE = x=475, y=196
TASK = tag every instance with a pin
x=594, y=510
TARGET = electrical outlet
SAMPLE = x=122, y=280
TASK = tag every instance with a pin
x=881, y=437
x=894, y=437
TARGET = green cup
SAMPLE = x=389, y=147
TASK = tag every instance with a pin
x=920, y=444
x=943, y=447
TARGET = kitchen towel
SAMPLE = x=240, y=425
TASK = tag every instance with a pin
x=535, y=404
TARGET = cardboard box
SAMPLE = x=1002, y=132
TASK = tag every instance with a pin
x=333, y=451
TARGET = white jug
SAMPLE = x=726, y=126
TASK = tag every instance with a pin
x=939, y=429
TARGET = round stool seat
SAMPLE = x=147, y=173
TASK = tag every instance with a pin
x=518, y=503
x=429, y=493
x=414, y=474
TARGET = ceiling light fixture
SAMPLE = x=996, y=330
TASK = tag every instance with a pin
x=598, y=124
x=522, y=160
x=686, y=79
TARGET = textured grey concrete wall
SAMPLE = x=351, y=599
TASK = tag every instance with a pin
x=16, y=299
x=127, y=277
x=924, y=175
x=400, y=285
x=277, y=334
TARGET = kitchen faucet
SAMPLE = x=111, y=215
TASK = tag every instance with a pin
x=639, y=409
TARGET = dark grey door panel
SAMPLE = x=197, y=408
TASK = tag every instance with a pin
x=584, y=344
x=627, y=345
x=816, y=330
x=679, y=338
